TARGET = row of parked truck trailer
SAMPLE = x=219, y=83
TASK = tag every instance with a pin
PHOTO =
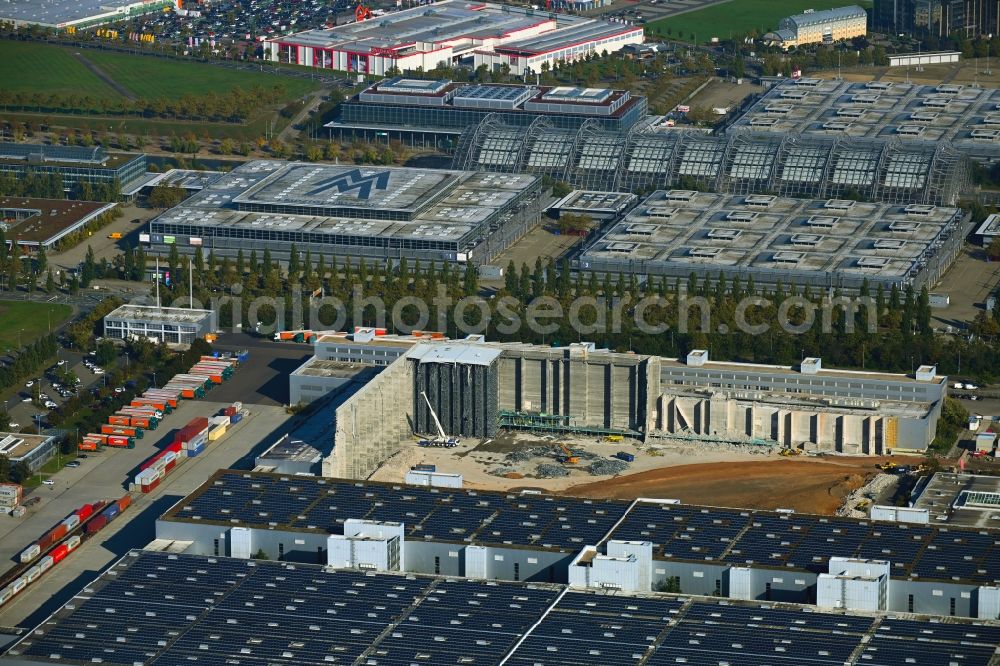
x=146, y=411
x=53, y=546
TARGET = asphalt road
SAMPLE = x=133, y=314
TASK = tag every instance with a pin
x=263, y=378
x=106, y=475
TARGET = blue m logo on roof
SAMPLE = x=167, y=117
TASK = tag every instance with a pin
x=354, y=180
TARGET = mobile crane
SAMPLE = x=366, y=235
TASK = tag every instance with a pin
x=567, y=457
x=441, y=439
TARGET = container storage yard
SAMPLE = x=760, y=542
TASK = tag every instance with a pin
x=53, y=546
x=145, y=412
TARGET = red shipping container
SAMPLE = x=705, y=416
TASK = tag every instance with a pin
x=229, y=411
x=45, y=541
x=149, y=462
x=56, y=533
x=200, y=423
x=171, y=464
x=150, y=487
x=175, y=447
x=84, y=512
x=59, y=552
x=119, y=419
x=97, y=524
x=124, y=502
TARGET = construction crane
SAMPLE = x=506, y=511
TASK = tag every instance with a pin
x=567, y=457
x=441, y=439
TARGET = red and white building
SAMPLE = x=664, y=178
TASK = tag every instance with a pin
x=453, y=32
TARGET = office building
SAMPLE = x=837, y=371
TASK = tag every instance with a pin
x=940, y=18
x=174, y=326
x=349, y=212
x=72, y=163
x=34, y=450
x=33, y=223
x=819, y=27
x=431, y=113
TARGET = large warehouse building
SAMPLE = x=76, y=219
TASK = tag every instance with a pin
x=965, y=117
x=432, y=113
x=477, y=388
x=33, y=223
x=380, y=213
x=637, y=546
x=831, y=244
x=62, y=14
x=453, y=32
x=157, y=608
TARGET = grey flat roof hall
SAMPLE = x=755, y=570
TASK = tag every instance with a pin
x=682, y=532
x=57, y=12
x=797, y=241
x=965, y=117
x=158, y=608
x=827, y=15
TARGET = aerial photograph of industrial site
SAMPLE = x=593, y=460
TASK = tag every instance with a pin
x=500, y=333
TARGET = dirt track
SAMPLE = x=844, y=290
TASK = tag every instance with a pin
x=805, y=484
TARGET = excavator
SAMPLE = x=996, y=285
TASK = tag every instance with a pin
x=567, y=457
x=362, y=12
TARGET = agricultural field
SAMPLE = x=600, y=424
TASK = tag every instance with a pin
x=29, y=319
x=30, y=67
x=737, y=17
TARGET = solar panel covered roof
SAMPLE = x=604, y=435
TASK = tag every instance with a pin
x=164, y=609
x=677, y=531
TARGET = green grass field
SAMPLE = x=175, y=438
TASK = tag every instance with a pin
x=52, y=69
x=31, y=67
x=738, y=17
x=155, y=77
x=30, y=319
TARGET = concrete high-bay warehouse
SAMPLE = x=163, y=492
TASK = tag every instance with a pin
x=477, y=388
x=832, y=243
x=381, y=213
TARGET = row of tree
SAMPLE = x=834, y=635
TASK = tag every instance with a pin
x=235, y=105
x=899, y=339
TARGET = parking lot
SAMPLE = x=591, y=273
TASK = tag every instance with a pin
x=24, y=415
x=105, y=475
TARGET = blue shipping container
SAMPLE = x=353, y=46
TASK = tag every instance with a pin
x=236, y=418
x=627, y=457
x=112, y=511
x=191, y=453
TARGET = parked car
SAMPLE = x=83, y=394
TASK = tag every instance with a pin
x=49, y=482
x=14, y=426
x=29, y=383
x=50, y=405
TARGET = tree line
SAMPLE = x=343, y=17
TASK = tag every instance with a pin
x=900, y=339
x=34, y=183
x=235, y=106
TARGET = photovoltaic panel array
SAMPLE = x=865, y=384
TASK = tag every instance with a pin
x=677, y=531
x=159, y=609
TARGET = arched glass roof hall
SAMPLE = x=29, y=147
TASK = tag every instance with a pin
x=640, y=160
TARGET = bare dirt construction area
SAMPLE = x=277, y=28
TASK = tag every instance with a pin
x=724, y=94
x=807, y=485
x=716, y=474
